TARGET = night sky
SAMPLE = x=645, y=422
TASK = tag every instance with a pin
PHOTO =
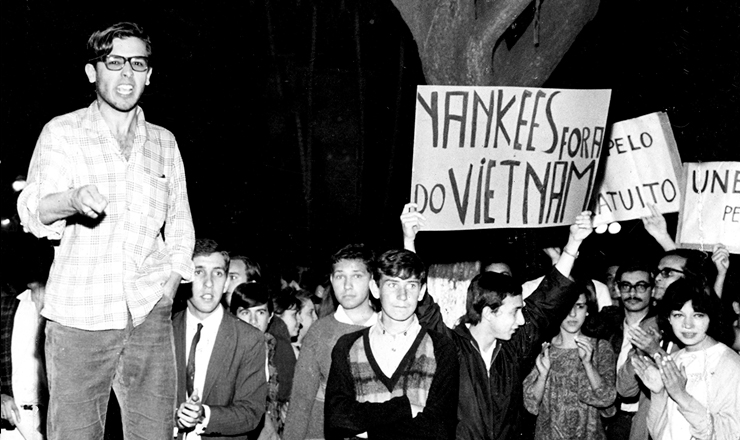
x=230, y=81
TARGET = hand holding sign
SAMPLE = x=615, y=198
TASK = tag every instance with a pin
x=721, y=259
x=656, y=226
x=411, y=222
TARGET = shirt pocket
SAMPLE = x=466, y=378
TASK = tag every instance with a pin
x=149, y=195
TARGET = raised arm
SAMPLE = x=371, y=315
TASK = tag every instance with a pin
x=554, y=297
x=411, y=222
x=721, y=259
x=655, y=225
x=579, y=230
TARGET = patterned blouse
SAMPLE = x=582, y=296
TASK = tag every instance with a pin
x=570, y=409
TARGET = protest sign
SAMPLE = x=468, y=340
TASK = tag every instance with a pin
x=505, y=157
x=711, y=208
x=642, y=167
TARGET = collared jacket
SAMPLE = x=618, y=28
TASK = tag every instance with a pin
x=490, y=406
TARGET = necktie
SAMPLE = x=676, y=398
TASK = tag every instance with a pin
x=190, y=369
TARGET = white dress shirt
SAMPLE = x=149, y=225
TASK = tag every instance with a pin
x=202, y=357
x=389, y=349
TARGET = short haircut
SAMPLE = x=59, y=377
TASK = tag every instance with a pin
x=253, y=269
x=400, y=263
x=100, y=43
x=355, y=251
x=488, y=289
x=285, y=300
x=703, y=300
x=484, y=263
x=248, y=295
x=698, y=265
x=206, y=246
x=634, y=267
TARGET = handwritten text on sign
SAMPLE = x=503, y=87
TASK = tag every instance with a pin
x=711, y=209
x=505, y=157
x=642, y=168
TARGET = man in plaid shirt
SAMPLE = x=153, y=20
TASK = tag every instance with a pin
x=110, y=187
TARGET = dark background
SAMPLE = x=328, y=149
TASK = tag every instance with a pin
x=295, y=118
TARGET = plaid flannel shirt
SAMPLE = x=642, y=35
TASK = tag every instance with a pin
x=105, y=269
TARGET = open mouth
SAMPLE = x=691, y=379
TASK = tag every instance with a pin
x=125, y=89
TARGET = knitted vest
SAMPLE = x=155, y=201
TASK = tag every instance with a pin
x=412, y=378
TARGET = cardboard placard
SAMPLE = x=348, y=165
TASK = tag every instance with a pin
x=711, y=208
x=505, y=157
x=642, y=167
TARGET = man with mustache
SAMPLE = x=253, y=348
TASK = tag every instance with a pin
x=637, y=330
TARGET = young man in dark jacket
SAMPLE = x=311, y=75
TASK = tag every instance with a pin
x=396, y=379
x=498, y=339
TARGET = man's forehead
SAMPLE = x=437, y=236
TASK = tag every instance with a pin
x=513, y=301
x=349, y=266
x=237, y=266
x=128, y=43
x=411, y=279
x=213, y=260
x=672, y=261
x=638, y=275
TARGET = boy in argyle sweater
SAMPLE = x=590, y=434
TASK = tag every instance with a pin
x=395, y=379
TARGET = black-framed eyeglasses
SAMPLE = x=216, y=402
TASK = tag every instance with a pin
x=640, y=286
x=666, y=272
x=116, y=62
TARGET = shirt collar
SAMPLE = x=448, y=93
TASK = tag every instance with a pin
x=96, y=122
x=341, y=316
x=25, y=296
x=413, y=329
x=212, y=320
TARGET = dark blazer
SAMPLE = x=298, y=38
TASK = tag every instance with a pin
x=235, y=388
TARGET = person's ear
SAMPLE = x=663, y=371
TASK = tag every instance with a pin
x=422, y=291
x=92, y=75
x=148, y=76
x=374, y=289
x=486, y=313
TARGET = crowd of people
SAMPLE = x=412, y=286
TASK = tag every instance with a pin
x=197, y=342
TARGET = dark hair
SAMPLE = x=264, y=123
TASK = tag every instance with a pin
x=488, y=289
x=484, y=263
x=304, y=295
x=586, y=287
x=354, y=251
x=400, y=263
x=286, y=299
x=206, y=246
x=634, y=267
x=703, y=300
x=698, y=265
x=100, y=43
x=248, y=295
x=253, y=269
